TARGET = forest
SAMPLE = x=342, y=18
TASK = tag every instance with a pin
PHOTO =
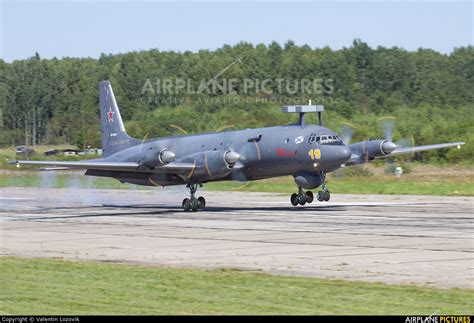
x=430, y=95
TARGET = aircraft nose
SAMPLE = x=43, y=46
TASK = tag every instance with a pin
x=343, y=154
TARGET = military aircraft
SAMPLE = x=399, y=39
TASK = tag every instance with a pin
x=305, y=151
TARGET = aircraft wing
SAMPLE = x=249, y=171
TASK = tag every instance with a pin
x=100, y=165
x=173, y=167
x=408, y=150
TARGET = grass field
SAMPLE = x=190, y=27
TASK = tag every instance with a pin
x=358, y=185
x=462, y=184
x=42, y=286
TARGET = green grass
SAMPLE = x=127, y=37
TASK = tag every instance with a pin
x=357, y=185
x=347, y=185
x=42, y=286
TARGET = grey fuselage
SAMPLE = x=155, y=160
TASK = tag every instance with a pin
x=265, y=153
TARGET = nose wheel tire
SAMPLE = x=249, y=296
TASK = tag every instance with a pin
x=324, y=195
x=327, y=196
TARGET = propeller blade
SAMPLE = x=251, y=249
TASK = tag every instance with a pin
x=143, y=141
x=387, y=124
x=406, y=143
x=184, y=132
x=237, y=174
x=225, y=127
x=347, y=131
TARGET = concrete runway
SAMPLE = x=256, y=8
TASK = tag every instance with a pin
x=395, y=239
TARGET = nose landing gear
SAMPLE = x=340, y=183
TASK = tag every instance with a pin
x=324, y=194
x=192, y=203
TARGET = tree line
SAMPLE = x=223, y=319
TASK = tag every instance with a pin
x=161, y=93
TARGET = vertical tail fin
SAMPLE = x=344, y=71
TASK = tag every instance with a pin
x=114, y=136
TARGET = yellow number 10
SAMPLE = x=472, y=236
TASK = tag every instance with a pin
x=314, y=153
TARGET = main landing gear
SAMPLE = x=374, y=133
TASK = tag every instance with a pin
x=192, y=203
x=303, y=197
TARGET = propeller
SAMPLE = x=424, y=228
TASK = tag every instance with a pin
x=387, y=125
x=367, y=150
x=347, y=131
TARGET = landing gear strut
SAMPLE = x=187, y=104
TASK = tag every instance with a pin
x=324, y=194
x=192, y=203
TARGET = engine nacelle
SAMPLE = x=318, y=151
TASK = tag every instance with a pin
x=212, y=164
x=308, y=180
x=155, y=156
x=373, y=148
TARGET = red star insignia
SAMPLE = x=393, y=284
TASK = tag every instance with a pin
x=110, y=114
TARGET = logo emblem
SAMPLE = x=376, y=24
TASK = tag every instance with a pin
x=282, y=152
x=110, y=115
x=299, y=140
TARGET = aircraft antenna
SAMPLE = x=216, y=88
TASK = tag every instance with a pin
x=302, y=109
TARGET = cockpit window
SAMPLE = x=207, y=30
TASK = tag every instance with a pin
x=324, y=139
x=329, y=140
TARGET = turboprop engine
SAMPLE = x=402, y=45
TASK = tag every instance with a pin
x=212, y=164
x=372, y=148
x=154, y=156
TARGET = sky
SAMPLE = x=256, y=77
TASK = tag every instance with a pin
x=88, y=28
